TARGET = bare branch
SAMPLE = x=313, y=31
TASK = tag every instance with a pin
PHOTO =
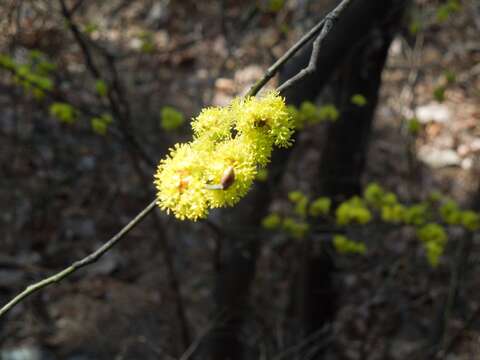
x=89, y=259
x=324, y=26
x=328, y=23
x=115, y=106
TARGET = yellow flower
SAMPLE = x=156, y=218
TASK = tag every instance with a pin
x=268, y=114
x=217, y=168
x=215, y=123
x=237, y=157
x=180, y=184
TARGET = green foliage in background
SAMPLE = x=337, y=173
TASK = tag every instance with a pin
x=101, y=88
x=276, y=5
x=414, y=126
x=353, y=211
x=147, y=42
x=100, y=123
x=344, y=245
x=447, y=79
x=308, y=113
x=90, y=28
x=429, y=218
x=33, y=74
x=359, y=100
x=63, y=112
x=446, y=10
x=171, y=118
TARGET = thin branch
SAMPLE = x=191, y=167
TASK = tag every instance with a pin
x=194, y=345
x=77, y=34
x=328, y=23
x=89, y=259
x=76, y=6
x=272, y=70
x=453, y=341
x=96, y=73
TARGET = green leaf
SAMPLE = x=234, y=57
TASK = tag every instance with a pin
x=275, y=5
x=444, y=11
x=171, y=118
x=7, y=62
x=101, y=88
x=450, y=76
x=328, y=112
x=417, y=214
x=147, y=43
x=434, y=238
x=320, y=207
x=374, y=194
x=343, y=245
x=271, y=221
x=415, y=27
x=470, y=220
x=439, y=93
x=353, y=211
x=63, y=112
x=414, y=126
x=296, y=196
x=90, y=28
x=359, y=100
x=294, y=228
x=100, y=124
x=308, y=111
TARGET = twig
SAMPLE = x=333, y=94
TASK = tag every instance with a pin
x=96, y=73
x=311, y=338
x=450, y=344
x=194, y=346
x=272, y=70
x=328, y=23
x=460, y=260
x=89, y=259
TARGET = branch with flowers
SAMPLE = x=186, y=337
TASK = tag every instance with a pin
x=217, y=168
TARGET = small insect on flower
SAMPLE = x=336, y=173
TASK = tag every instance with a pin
x=228, y=178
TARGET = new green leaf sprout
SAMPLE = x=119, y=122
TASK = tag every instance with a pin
x=230, y=145
x=171, y=118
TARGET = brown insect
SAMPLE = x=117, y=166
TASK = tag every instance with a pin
x=228, y=178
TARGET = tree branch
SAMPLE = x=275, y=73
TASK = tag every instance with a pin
x=324, y=26
x=327, y=23
x=87, y=260
x=116, y=106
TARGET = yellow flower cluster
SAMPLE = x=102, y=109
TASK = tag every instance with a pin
x=229, y=146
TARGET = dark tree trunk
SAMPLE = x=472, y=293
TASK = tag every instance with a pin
x=241, y=246
x=345, y=146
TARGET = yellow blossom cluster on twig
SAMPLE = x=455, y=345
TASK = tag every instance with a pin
x=217, y=168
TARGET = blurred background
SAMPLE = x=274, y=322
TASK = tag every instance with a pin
x=94, y=93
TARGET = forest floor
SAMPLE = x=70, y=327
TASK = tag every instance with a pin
x=64, y=189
